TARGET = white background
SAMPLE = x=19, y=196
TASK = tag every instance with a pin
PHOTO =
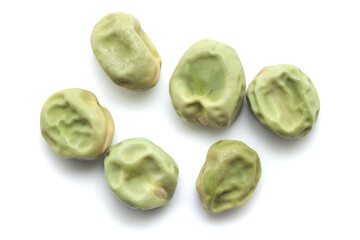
x=309, y=188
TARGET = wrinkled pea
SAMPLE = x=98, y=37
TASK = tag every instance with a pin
x=125, y=52
x=229, y=176
x=141, y=174
x=75, y=125
x=208, y=84
x=284, y=100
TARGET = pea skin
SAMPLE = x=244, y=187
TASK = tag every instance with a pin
x=75, y=125
x=141, y=174
x=229, y=176
x=125, y=52
x=208, y=84
x=284, y=100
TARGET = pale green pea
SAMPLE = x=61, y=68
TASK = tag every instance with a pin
x=229, y=176
x=141, y=174
x=284, y=100
x=75, y=125
x=125, y=52
x=208, y=84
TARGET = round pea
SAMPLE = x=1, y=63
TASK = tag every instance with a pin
x=284, y=100
x=125, y=52
x=141, y=174
x=229, y=176
x=75, y=125
x=208, y=84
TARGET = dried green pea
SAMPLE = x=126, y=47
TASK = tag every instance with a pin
x=75, y=125
x=208, y=84
x=229, y=176
x=284, y=100
x=125, y=52
x=141, y=174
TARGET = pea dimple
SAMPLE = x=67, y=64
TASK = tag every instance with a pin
x=205, y=76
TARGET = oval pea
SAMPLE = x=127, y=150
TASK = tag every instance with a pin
x=284, y=99
x=208, y=84
x=141, y=174
x=229, y=176
x=75, y=125
x=125, y=52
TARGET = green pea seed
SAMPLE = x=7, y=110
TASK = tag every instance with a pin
x=141, y=174
x=229, y=176
x=75, y=125
x=284, y=100
x=208, y=84
x=125, y=52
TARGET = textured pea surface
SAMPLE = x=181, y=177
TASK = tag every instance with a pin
x=141, y=174
x=75, y=125
x=284, y=99
x=229, y=176
x=125, y=52
x=208, y=84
